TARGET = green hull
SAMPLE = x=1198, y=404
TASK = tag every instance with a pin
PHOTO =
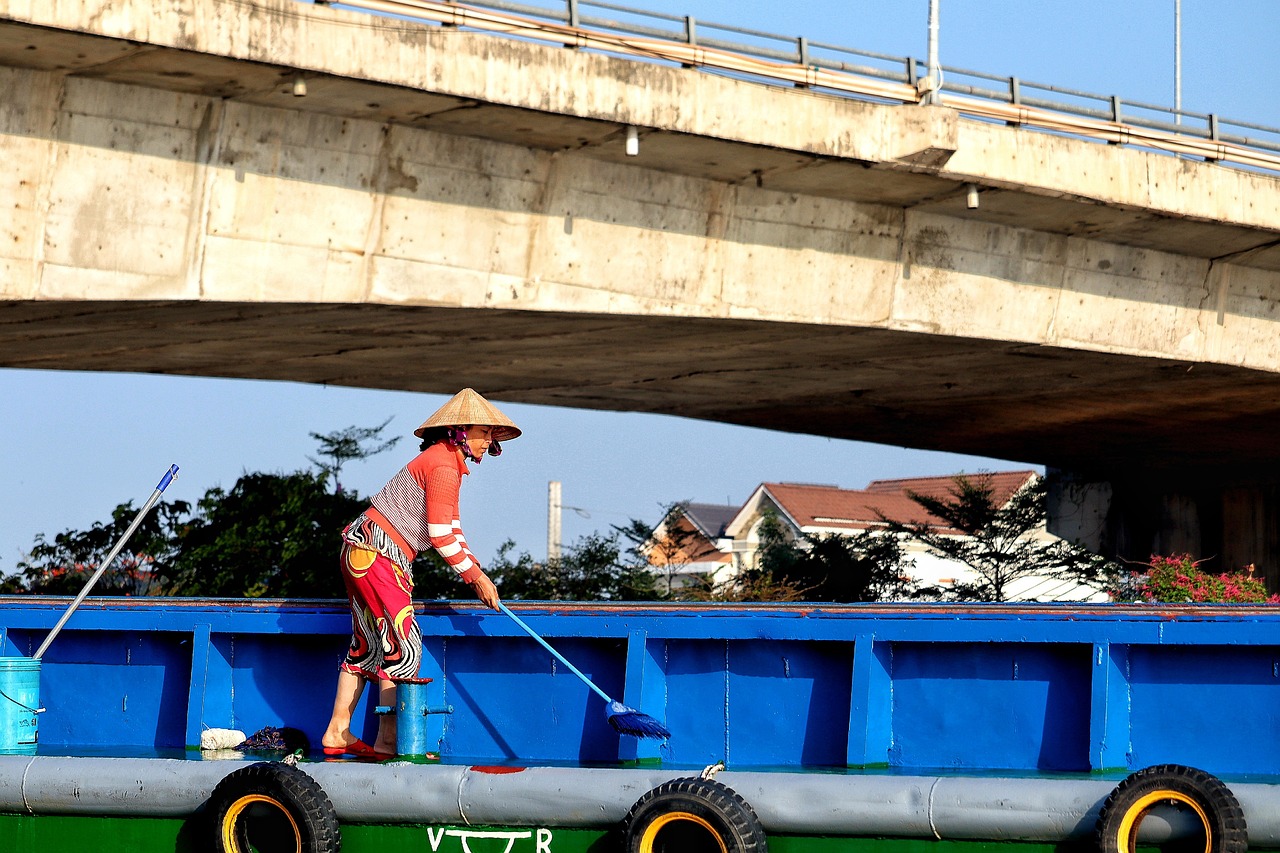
x=58, y=834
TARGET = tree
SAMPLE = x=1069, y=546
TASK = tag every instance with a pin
x=270, y=535
x=346, y=444
x=997, y=542
x=667, y=547
x=672, y=551
x=865, y=566
x=65, y=565
x=591, y=569
x=827, y=566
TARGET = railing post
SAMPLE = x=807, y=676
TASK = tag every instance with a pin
x=1015, y=96
x=802, y=50
x=1116, y=111
x=1214, y=133
x=573, y=13
x=690, y=36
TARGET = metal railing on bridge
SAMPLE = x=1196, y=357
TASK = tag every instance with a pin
x=799, y=61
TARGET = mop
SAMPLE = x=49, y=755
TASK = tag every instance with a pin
x=137, y=519
x=627, y=721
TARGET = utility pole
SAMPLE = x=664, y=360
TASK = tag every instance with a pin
x=934, y=80
x=1177, y=61
x=553, y=520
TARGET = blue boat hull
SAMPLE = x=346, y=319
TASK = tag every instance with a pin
x=977, y=688
x=971, y=724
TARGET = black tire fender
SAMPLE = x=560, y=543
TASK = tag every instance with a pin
x=692, y=815
x=1203, y=795
x=272, y=806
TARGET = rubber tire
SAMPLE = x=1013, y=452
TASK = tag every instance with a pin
x=309, y=814
x=1206, y=796
x=692, y=815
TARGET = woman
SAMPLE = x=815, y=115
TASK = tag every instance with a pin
x=416, y=510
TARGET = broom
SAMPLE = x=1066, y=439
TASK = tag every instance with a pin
x=627, y=721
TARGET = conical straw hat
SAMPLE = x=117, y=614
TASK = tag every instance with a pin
x=468, y=407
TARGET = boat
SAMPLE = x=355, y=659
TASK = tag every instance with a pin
x=793, y=727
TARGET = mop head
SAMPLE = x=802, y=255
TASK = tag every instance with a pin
x=629, y=721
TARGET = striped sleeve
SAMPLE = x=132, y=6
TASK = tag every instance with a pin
x=462, y=540
x=443, y=527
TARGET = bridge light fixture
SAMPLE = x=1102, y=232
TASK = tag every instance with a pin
x=299, y=85
x=971, y=197
x=633, y=140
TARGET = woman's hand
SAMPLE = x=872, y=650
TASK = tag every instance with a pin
x=485, y=590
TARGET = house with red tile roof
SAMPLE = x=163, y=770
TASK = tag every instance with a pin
x=806, y=508
x=691, y=541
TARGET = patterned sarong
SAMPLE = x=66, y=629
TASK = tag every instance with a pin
x=386, y=642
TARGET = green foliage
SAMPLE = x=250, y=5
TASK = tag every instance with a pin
x=1179, y=579
x=664, y=558
x=816, y=568
x=833, y=567
x=65, y=565
x=998, y=542
x=591, y=569
x=776, y=575
x=656, y=555
x=272, y=535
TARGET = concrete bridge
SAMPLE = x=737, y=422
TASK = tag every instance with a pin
x=444, y=206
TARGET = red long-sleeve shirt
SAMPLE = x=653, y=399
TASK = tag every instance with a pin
x=418, y=508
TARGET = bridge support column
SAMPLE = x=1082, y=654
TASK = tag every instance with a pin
x=1228, y=518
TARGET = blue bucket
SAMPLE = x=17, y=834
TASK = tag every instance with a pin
x=19, y=705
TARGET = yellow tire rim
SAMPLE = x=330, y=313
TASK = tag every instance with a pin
x=229, y=840
x=652, y=830
x=1127, y=835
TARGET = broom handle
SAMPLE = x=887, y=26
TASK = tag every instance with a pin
x=137, y=519
x=555, y=653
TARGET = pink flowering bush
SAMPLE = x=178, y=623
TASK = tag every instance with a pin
x=1178, y=579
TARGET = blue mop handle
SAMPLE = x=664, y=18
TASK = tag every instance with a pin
x=554, y=653
x=137, y=519
x=166, y=480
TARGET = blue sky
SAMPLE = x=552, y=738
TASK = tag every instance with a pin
x=77, y=444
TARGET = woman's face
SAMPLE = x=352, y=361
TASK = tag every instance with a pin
x=479, y=437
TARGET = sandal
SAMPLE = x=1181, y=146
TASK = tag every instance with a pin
x=358, y=748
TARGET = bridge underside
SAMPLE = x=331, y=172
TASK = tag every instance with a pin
x=1070, y=409
x=1131, y=475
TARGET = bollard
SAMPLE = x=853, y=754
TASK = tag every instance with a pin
x=412, y=711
